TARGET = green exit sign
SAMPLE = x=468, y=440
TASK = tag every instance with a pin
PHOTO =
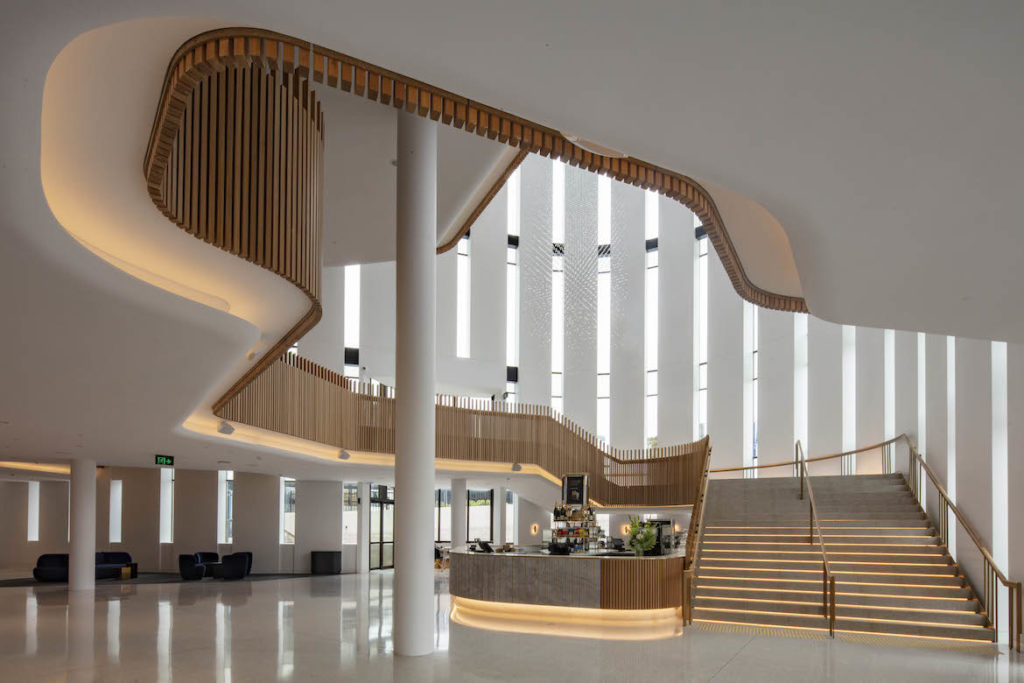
x=165, y=460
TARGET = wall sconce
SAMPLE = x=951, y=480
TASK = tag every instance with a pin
x=534, y=529
x=625, y=529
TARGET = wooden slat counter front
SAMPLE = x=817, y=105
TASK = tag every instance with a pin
x=592, y=581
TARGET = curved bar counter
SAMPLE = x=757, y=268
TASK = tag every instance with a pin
x=587, y=595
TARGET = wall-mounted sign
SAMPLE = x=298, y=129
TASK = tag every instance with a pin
x=165, y=460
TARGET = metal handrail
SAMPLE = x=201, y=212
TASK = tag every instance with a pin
x=828, y=579
x=992, y=573
x=693, y=538
x=788, y=463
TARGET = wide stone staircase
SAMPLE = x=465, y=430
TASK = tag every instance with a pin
x=893, y=575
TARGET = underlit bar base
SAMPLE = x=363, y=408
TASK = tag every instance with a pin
x=574, y=622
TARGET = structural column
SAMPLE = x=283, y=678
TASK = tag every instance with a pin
x=499, y=515
x=458, y=513
x=363, y=530
x=82, y=563
x=414, y=378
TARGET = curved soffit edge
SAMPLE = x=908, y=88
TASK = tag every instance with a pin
x=217, y=56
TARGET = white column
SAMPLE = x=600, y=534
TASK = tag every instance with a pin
x=870, y=399
x=416, y=238
x=499, y=515
x=82, y=563
x=937, y=413
x=458, y=513
x=627, y=316
x=1015, y=458
x=824, y=394
x=363, y=530
x=906, y=412
x=535, y=281
x=580, y=304
x=974, y=449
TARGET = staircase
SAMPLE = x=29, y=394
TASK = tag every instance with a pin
x=893, y=576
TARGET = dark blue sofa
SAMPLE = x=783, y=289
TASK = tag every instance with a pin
x=54, y=566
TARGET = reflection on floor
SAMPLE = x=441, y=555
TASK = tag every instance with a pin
x=332, y=628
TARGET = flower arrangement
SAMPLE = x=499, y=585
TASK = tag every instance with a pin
x=642, y=536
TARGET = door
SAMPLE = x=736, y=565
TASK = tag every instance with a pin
x=382, y=527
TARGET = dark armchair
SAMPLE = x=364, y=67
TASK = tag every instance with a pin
x=51, y=567
x=189, y=569
x=232, y=567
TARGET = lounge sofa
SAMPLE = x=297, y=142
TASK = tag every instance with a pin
x=54, y=566
x=209, y=565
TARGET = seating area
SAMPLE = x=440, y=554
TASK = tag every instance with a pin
x=53, y=567
x=209, y=565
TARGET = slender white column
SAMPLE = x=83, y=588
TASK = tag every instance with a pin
x=414, y=379
x=458, y=513
x=363, y=530
x=499, y=514
x=82, y=563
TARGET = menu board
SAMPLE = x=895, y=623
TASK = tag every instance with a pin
x=574, y=489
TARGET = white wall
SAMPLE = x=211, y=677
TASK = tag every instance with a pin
x=725, y=368
x=627, y=316
x=775, y=391
x=529, y=514
x=535, y=281
x=257, y=504
x=675, y=324
x=974, y=449
x=870, y=395
x=318, y=510
x=581, y=297
x=824, y=394
x=195, y=512
x=935, y=409
x=18, y=552
x=325, y=343
x=906, y=388
x=1015, y=401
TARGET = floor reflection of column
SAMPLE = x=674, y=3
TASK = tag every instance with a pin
x=223, y=647
x=31, y=624
x=81, y=607
x=285, y=639
x=164, y=627
x=113, y=631
x=363, y=615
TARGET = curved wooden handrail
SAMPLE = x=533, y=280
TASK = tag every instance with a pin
x=694, y=535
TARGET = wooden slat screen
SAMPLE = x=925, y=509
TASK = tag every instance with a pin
x=298, y=397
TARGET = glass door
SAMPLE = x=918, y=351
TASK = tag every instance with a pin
x=382, y=527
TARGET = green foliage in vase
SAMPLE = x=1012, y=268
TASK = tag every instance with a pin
x=642, y=536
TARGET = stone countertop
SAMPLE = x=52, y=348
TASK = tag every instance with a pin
x=589, y=555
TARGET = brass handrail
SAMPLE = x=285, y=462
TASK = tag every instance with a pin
x=992, y=573
x=693, y=538
x=828, y=579
x=788, y=463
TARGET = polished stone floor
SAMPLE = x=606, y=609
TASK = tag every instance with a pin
x=339, y=628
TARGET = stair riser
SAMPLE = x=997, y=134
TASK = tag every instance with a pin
x=846, y=611
x=895, y=578
x=951, y=591
x=833, y=547
x=763, y=557
x=891, y=601
x=836, y=566
x=846, y=624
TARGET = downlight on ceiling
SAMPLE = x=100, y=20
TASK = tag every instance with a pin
x=594, y=147
x=225, y=427
x=516, y=467
x=343, y=455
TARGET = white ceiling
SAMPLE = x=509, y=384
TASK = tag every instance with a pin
x=882, y=138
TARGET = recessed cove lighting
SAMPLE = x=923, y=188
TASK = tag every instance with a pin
x=225, y=427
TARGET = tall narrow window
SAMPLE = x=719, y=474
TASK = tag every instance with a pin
x=225, y=506
x=115, y=511
x=33, y=511
x=287, y=516
x=512, y=291
x=849, y=369
x=510, y=516
x=353, y=276
x=800, y=379
x=167, y=505
x=557, y=284
x=462, y=302
x=443, y=515
x=700, y=332
x=479, y=520
x=889, y=389
x=750, y=341
x=651, y=320
x=604, y=307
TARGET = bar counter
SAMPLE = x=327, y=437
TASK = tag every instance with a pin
x=588, y=580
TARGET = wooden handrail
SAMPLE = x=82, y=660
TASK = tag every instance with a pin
x=828, y=592
x=789, y=463
x=693, y=538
